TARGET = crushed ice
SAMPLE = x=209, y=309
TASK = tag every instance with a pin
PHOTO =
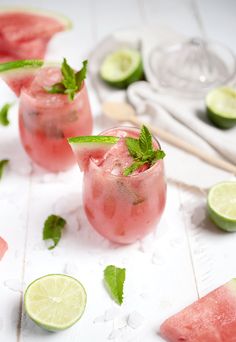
x=135, y=320
x=13, y=285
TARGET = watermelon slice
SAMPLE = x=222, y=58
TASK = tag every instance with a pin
x=19, y=73
x=210, y=319
x=25, y=33
x=3, y=247
x=86, y=147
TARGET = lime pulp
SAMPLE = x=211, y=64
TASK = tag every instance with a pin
x=221, y=205
x=221, y=107
x=122, y=67
x=55, y=302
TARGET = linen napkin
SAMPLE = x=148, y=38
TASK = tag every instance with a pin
x=183, y=117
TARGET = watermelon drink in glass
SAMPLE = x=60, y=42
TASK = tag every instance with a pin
x=48, y=115
x=123, y=197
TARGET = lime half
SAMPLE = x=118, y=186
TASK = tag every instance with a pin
x=221, y=204
x=55, y=302
x=122, y=67
x=221, y=107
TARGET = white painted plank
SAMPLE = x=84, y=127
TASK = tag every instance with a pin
x=153, y=265
x=14, y=195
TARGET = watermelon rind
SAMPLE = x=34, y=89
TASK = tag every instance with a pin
x=86, y=147
x=98, y=139
x=20, y=71
x=20, y=65
x=66, y=22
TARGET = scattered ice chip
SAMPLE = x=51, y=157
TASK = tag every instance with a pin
x=68, y=204
x=111, y=313
x=99, y=319
x=116, y=333
x=157, y=259
x=13, y=285
x=21, y=167
x=135, y=320
x=70, y=268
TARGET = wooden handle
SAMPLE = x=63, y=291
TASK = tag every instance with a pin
x=183, y=145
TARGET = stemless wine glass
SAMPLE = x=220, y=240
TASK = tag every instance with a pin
x=123, y=208
x=46, y=120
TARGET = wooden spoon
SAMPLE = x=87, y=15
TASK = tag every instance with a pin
x=122, y=111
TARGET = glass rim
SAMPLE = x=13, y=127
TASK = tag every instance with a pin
x=150, y=169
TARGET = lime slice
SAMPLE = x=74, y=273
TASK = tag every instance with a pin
x=18, y=74
x=221, y=107
x=55, y=302
x=86, y=147
x=121, y=68
x=222, y=205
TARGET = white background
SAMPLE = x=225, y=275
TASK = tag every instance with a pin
x=185, y=258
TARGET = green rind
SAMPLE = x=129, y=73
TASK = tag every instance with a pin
x=220, y=121
x=223, y=222
x=92, y=139
x=220, y=118
x=20, y=65
x=48, y=327
x=67, y=23
x=121, y=83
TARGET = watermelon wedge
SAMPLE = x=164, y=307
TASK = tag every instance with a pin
x=25, y=33
x=3, y=247
x=210, y=319
x=86, y=147
x=19, y=73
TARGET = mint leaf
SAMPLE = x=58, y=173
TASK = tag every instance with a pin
x=135, y=166
x=4, y=114
x=142, y=151
x=52, y=229
x=81, y=74
x=159, y=154
x=71, y=81
x=3, y=164
x=133, y=147
x=145, y=140
x=114, y=279
x=57, y=88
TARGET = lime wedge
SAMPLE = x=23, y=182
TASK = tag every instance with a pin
x=221, y=204
x=86, y=147
x=55, y=302
x=221, y=107
x=18, y=74
x=121, y=68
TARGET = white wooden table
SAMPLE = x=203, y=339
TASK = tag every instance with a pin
x=185, y=258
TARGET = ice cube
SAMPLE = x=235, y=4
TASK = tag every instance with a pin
x=13, y=285
x=135, y=320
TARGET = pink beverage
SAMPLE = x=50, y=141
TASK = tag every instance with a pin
x=123, y=208
x=46, y=120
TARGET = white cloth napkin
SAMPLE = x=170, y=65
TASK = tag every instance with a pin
x=183, y=117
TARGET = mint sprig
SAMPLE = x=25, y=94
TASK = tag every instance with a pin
x=142, y=151
x=71, y=81
x=52, y=229
x=114, y=279
x=4, y=121
x=3, y=164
